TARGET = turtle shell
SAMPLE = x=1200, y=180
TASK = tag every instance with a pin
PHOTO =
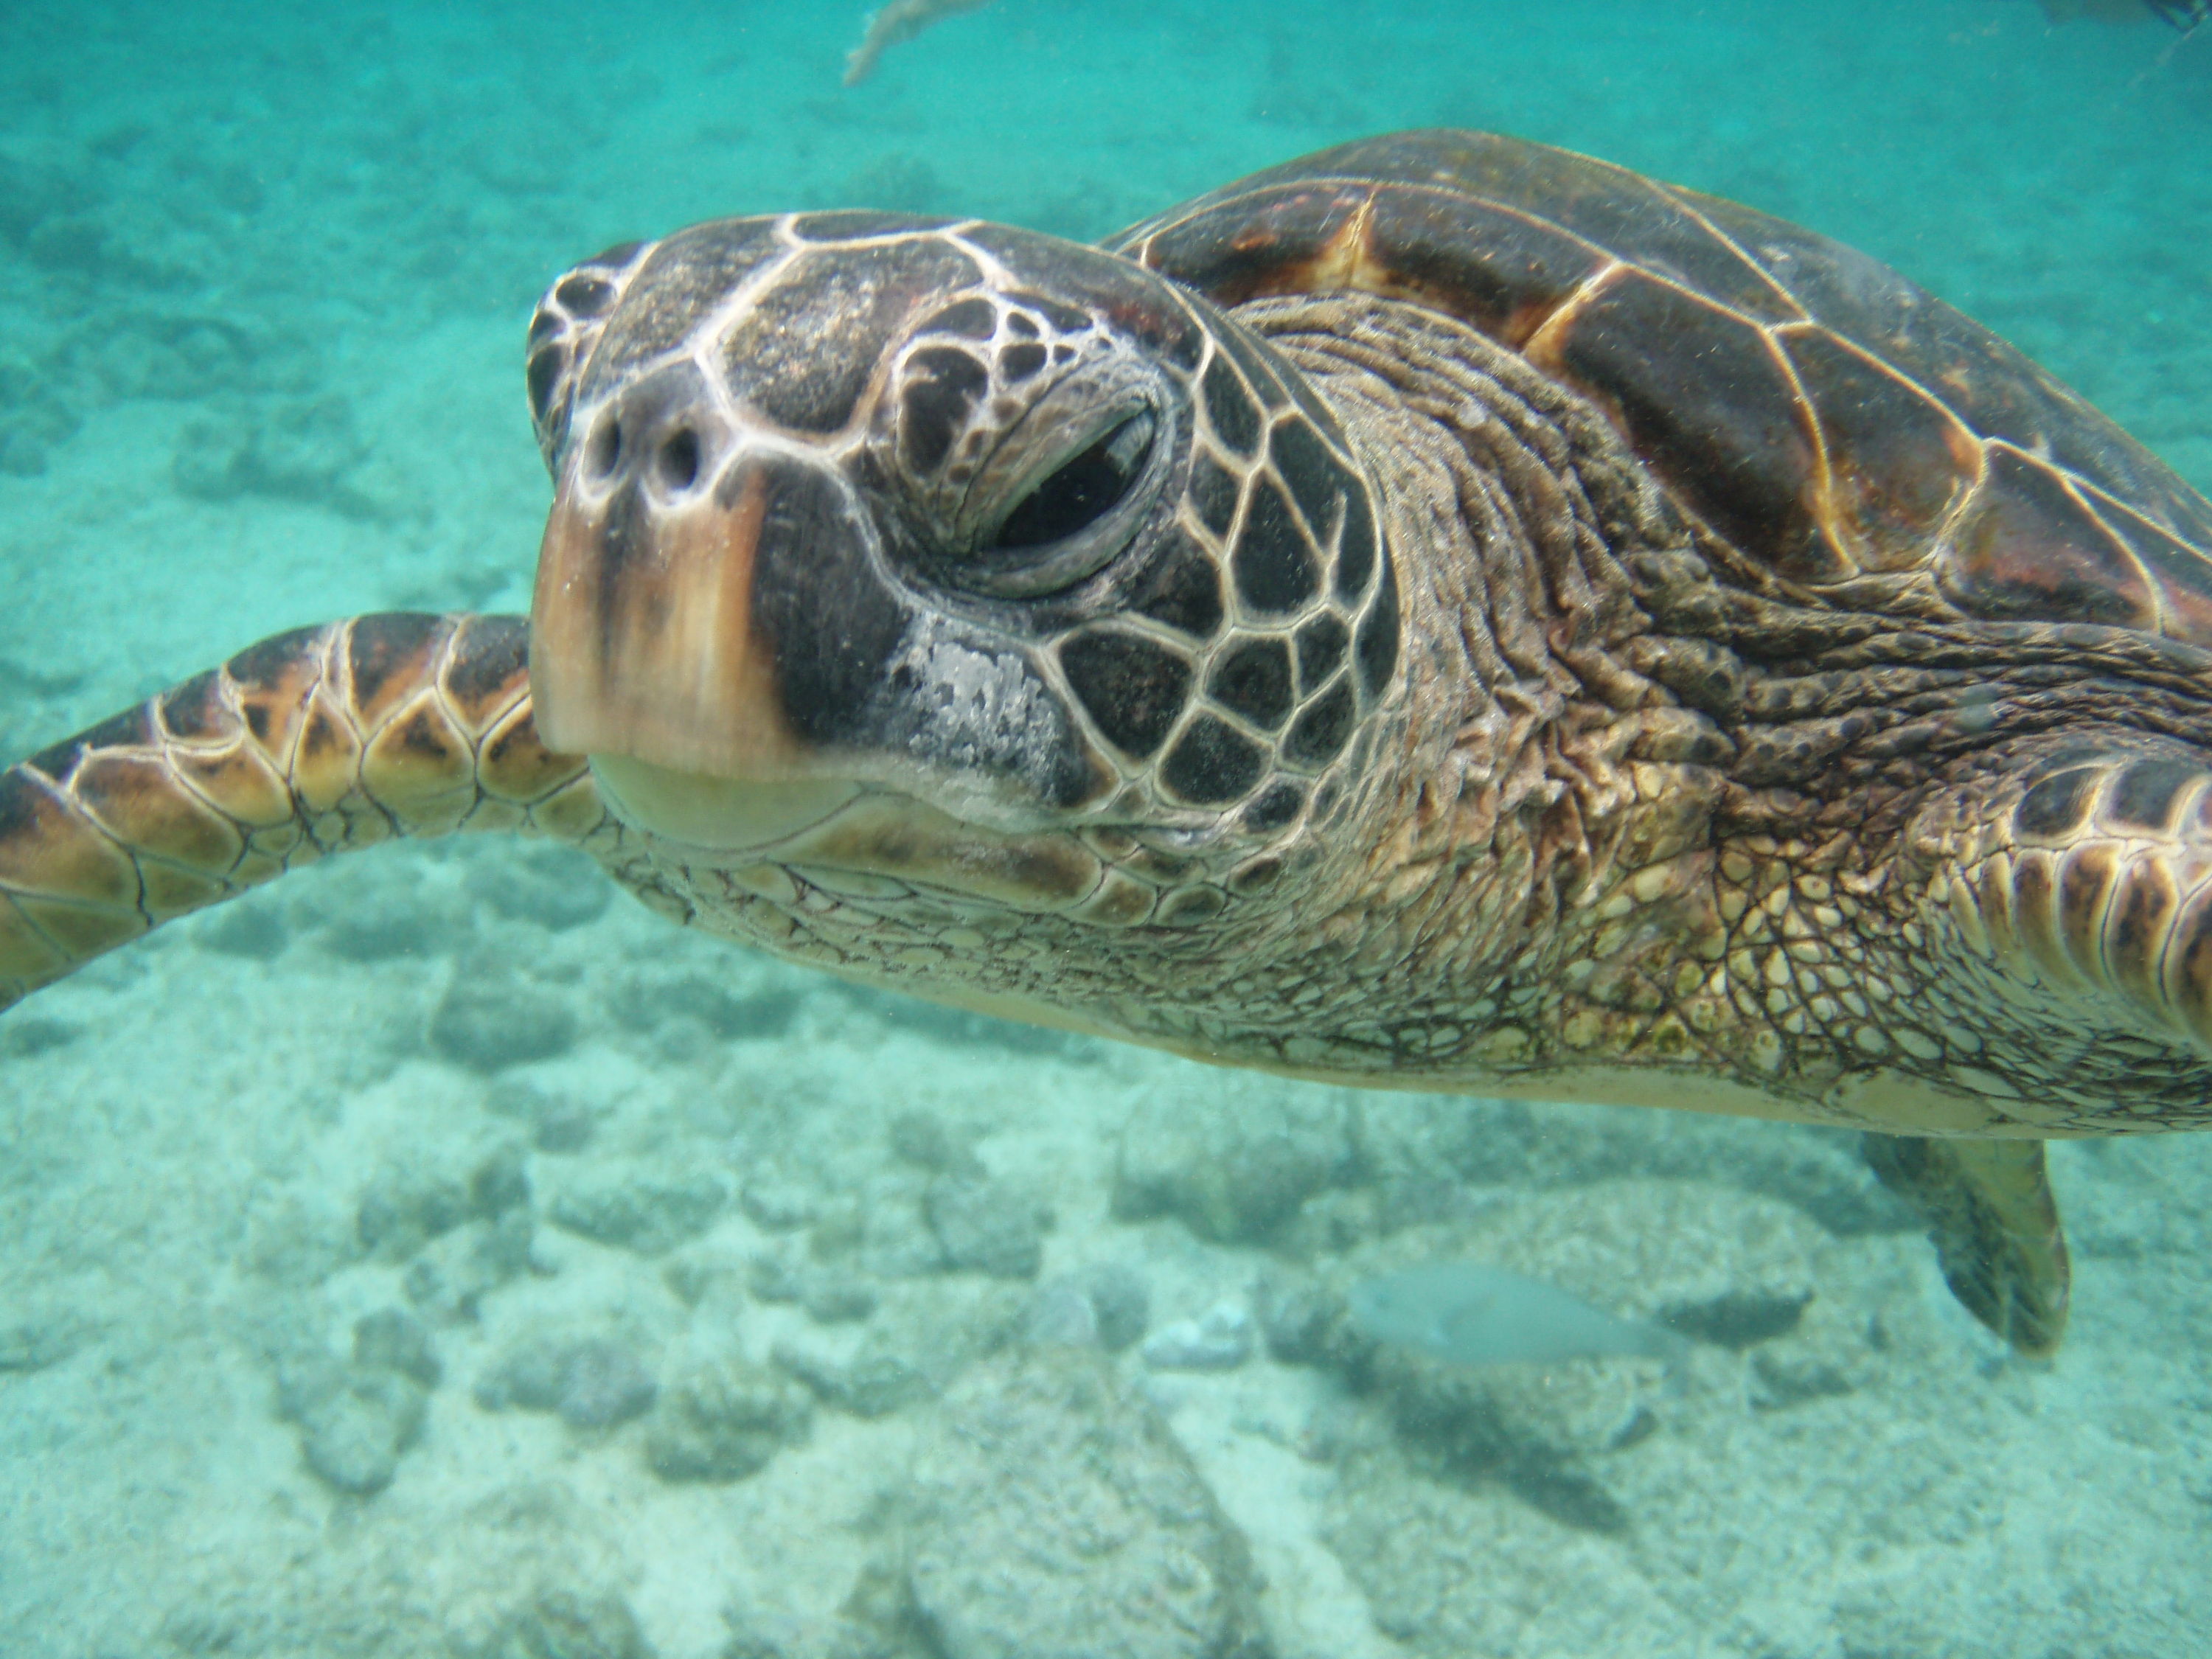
x=1841, y=426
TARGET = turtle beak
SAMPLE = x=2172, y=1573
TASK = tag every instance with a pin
x=650, y=651
x=644, y=640
x=679, y=554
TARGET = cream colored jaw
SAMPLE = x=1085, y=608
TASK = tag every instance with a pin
x=807, y=825
x=717, y=815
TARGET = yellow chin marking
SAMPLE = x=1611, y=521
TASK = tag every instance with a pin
x=897, y=835
x=717, y=815
x=840, y=826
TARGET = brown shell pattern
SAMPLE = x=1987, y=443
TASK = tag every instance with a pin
x=1834, y=422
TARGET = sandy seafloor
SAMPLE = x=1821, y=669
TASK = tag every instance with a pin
x=265, y=275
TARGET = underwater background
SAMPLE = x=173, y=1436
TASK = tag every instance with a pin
x=436, y=1255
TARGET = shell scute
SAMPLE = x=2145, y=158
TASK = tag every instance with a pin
x=1898, y=462
x=1740, y=446
x=2027, y=548
x=1530, y=270
x=1633, y=218
x=2177, y=568
x=1988, y=385
x=1838, y=423
x=1259, y=242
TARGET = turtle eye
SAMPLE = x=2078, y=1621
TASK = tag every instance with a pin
x=1074, y=519
x=1081, y=491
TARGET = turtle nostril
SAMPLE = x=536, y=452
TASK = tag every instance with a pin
x=605, y=453
x=679, y=459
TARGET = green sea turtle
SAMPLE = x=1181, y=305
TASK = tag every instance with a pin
x=1443, y=613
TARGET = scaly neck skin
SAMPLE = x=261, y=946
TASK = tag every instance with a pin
x=1658, y=818
x=1533, y=769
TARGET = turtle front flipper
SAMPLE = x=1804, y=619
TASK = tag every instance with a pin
x=2061, y=922
x=313, y=741
x=1990, y=1211
x=2089, y=875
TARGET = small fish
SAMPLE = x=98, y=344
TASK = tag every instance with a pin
x=1466, y=1314
x=900, y=20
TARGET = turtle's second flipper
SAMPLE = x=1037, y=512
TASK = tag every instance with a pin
x=313, y=742
x=1995, y=1224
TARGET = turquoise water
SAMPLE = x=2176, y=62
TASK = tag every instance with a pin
x=328, y=1321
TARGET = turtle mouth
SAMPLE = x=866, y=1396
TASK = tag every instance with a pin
x=717, y=815
x=805, y=826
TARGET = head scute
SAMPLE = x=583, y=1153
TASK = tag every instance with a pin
x=563, y=330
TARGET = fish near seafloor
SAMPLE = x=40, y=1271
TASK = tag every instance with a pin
x=1466, y=1314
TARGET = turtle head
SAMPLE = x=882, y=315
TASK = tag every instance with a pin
x=915, y=523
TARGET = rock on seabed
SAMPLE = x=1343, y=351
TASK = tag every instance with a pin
x=1057, y=1517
